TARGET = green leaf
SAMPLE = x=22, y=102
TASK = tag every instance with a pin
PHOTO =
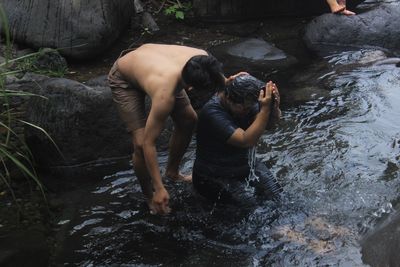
x=179, y=15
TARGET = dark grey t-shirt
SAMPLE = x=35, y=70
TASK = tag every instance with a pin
x=215, y=126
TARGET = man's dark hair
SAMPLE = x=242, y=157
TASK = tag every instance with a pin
x=244, y=88
x=203, y=73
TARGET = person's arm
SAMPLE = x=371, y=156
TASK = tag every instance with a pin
x=160, y=109
x=249, y=137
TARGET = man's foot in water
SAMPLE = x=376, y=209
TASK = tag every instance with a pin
x=177, y=177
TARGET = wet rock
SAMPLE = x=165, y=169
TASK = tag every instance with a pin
x=228, y=10
x=82, y=121
x=252, y=54
x=81, y=28
x=378, y=27
x=381, y=247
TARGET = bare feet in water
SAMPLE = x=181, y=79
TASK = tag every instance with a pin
x=179, y=177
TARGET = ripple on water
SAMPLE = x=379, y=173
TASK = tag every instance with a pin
x=337, y=156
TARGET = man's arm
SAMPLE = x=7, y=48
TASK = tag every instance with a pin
x=160, y=109
x=249, y=137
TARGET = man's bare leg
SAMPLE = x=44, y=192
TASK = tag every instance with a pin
x=184, y=123
x=139, y=166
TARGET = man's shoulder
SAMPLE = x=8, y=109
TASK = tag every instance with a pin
x=213, y=104
x=213, y=111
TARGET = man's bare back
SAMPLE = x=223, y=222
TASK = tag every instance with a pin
x=157, y=67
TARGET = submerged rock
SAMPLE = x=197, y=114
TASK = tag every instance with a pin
x=252, y=54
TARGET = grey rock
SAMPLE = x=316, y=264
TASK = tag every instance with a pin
x=378, y=27
x=228, y=10
x=252, y=53
x=81, y=29
x=82, y=121
x=381, y=246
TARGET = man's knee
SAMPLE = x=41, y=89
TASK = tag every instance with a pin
x=137, y=141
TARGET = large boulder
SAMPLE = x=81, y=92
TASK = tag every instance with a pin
x=82, y=120
x=236, y=10
x=80, y=28
x=378, y=27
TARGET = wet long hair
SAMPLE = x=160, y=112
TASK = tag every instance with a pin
x=204, y=73
x=244, y=88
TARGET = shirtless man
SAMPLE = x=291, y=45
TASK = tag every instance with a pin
x=163, y=73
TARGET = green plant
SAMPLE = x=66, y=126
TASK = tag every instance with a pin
x=15, y=156
x=31, y=63
x=178, y=9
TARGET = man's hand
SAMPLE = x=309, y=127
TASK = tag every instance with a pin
x=276, y=112
x=160, y=202
x=274, y=107
x=265, y=97
x=232, y=77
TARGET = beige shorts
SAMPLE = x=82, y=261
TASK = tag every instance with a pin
x=130, y=100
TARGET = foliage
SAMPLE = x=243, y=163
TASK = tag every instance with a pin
x=15, y=157
x=33, y=63
x=178, y=9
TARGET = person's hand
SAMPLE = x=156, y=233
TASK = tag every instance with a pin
x=265, y=96
x=232, y=77
x=160, y=202
x=275, y=110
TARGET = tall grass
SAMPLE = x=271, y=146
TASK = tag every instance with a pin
x=15, y=157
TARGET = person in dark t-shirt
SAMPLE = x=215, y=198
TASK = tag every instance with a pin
x=229, y=125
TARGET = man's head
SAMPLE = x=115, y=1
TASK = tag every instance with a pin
x=244, y=89
x=203, y=73
x=242, y=93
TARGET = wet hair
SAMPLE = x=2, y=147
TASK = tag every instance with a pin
x=244, y=88
x=203, y=73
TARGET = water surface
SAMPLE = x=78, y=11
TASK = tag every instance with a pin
x=336, y=153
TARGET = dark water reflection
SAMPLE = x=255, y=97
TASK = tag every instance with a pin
x=336, y=153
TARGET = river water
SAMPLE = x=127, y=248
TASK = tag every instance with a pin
x=336, y=152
